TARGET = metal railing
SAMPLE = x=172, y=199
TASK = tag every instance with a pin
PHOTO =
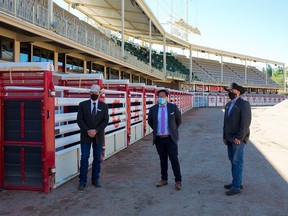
x=69, y=26
x=28, y=10
x=178, y=75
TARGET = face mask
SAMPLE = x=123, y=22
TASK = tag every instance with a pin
x=161, y=101
x=94, y=97
x=232, y=95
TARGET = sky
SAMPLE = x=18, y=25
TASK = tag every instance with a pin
x=250, y=27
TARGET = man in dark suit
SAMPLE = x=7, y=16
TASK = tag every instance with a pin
x=165, y=118
x=92, y=119
x=237, y=119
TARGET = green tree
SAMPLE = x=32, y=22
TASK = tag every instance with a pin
x=277, y=76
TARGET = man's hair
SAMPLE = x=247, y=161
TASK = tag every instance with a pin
x=163, y=90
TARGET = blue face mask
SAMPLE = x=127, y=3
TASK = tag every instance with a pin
x=161, y=101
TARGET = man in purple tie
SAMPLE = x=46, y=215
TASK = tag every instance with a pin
x=165, y=118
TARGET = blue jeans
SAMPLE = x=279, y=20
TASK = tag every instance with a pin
x=84, y=162
x=236, y=157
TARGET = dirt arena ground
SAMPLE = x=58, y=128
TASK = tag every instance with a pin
x=129, y=177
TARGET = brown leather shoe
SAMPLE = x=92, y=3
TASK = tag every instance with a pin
x=178, y=185
x=161, y=183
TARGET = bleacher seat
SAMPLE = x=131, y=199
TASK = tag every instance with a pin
x=210, y=71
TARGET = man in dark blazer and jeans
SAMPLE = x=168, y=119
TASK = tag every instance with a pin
x=165, y=118
x=92, y=119
x=237, y=120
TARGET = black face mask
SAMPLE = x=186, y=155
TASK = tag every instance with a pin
x=94, y=97
x=232, y=95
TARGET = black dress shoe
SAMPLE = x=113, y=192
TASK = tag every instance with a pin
x=96, y=184
x=232, y=192
x=81, y=186
x=228, y=186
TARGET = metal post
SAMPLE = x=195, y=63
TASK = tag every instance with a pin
x=190, y=66
x=164, y=55
x=122, y=14
x=202, y=94
x=266, y=74
x=194, y=90
x=187, y=6
x=171, y=12
x=150, y=46
x=245, y=71
x=222, y=69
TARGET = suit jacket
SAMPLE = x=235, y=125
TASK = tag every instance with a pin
x=174, y=120
x=86, y=121
x=237, y=124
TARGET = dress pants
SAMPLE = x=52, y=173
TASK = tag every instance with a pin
x=167, y=148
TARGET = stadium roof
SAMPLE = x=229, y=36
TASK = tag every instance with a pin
x=108, y=13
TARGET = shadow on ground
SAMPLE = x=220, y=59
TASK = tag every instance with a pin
x=129, y=177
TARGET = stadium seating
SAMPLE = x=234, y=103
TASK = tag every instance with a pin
x=205, y=70
x=142, y=54
x=210, y=71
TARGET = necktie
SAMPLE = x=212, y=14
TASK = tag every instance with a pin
x=94, y=109
x=230, y=108
x=162, y=120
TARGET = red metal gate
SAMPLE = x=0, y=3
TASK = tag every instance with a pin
x=27, y=129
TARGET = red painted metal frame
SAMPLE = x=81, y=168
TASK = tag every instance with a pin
x=44, y=79
x=1, y=133
x=22, y=165
x=48, y=109
x=128, y=117
x=22, y=127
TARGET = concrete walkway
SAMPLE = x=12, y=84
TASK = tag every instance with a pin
x=129, y=178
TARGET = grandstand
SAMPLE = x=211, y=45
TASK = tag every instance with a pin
x=210, y=71
x=43, y=31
